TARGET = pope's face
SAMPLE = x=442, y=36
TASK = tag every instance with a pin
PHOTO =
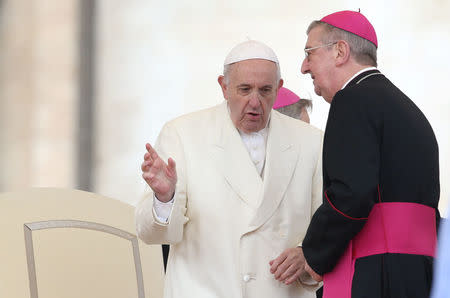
x=251, y=90
x=320, y=65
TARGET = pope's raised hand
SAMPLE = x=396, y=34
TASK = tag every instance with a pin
x=159, y=175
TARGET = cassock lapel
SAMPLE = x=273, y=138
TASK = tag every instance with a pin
x=234, y=162
x=281, y=159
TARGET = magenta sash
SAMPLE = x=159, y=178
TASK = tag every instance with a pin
x=393, y=227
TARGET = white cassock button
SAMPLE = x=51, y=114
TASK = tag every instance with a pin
x=246, y=278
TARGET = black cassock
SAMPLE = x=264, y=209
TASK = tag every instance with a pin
x=375, y=136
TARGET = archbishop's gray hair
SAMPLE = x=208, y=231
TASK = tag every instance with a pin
x=363, y=51
x=226, y=71
x=294, y=110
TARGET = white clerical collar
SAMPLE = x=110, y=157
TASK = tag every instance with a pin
x=357, y=74
x=263, y=132
x=255, y=143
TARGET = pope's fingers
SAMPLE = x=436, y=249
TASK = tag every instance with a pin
x=172, y=168
x=293, y=277
x=145, y=167
x=313, y=274
x=150, y=150
x=276, y=262
x=291, y=270
x=317, y=277
x=172, y=164
x=148, y=157
x=282, y=271
x=148, y=164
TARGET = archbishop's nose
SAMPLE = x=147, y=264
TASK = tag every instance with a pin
x=305, y=66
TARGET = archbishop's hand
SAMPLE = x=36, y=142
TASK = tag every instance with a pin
x=288, y=266
x=161, y=177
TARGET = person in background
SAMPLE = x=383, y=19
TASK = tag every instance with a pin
x=375, y=233
x=290, y=104
x=232, y=189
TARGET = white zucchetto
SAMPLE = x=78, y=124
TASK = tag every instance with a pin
x=250, y=49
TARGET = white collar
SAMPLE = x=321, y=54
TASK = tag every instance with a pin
x=357, y=74
x=255, y=143
x=263, y=132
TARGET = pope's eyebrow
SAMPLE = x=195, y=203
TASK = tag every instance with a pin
x=244, y=85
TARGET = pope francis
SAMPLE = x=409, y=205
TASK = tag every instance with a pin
x=233, y=189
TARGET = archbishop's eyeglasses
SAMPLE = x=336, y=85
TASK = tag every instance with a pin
x=309, y=50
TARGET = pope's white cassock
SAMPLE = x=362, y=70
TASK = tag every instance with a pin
x=240, y=201
x=227, y=221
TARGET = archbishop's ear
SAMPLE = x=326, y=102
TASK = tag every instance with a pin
x=223, y=85
x=342, y=52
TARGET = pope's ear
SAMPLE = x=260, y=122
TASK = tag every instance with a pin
x=280, y=83
x=342, y=52
x=223, y=85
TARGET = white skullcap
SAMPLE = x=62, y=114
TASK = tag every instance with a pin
x=250, y=49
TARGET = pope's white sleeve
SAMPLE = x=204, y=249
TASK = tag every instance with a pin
x=156, y=225
x=162, y=210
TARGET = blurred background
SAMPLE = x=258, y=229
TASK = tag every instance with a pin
x=84, y=84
